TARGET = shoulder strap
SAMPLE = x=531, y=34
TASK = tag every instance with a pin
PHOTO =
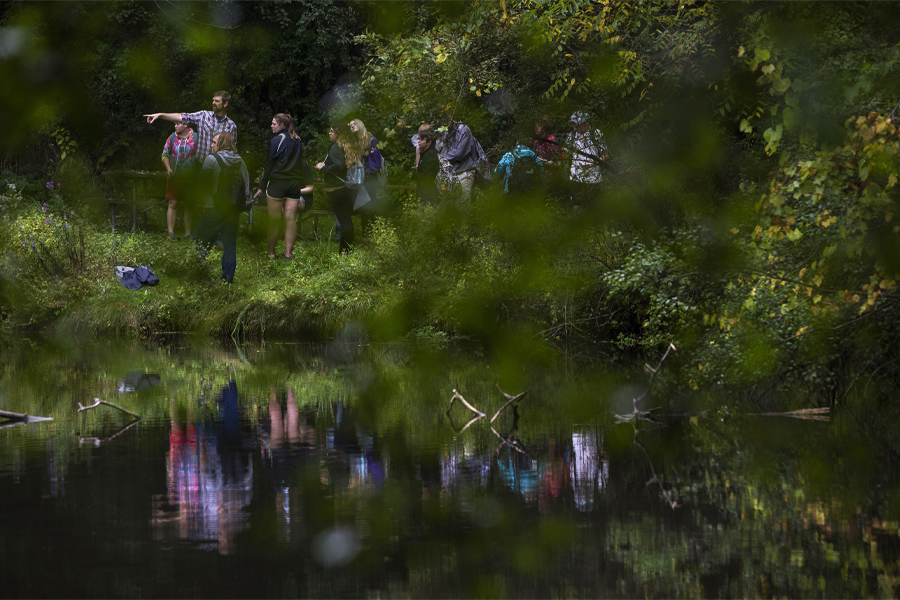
x=221, y=162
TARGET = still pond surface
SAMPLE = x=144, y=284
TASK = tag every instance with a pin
x=337, y=471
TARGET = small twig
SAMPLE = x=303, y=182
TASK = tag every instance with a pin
x=98, y=402
x=458, y=396
x=652, y=376
x=511, y=400
x=891, y=116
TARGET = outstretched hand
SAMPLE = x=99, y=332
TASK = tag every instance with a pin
x=153, y=117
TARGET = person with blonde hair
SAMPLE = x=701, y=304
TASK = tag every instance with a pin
x=219, y=171
x=344, y=158
x=284, y=183
x=373, y=181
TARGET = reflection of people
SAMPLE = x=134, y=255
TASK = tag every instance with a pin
x=221, y=221
x=589, y=470
x=180, y=157
x=210, y=478
x=283, y=183
x=587, y=149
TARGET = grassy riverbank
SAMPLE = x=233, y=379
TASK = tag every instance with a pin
x=433, y=273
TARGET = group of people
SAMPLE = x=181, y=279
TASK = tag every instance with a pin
x=204, y=167
x=206, y=173
x=571, y=168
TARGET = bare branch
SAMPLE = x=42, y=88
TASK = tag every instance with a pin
x=808, y=414
x=458, y=396
x=511, y=400
x=653, y=375
x=24, y=418
x=98, y=402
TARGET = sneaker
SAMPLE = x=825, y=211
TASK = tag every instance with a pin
x=188, y=236
x=173, y=237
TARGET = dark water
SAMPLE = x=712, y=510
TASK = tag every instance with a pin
x=326, y=472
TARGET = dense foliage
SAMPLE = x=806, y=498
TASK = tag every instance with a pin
x=746, y=213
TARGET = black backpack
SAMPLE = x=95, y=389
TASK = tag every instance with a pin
x=524, y=175
x=230, y=192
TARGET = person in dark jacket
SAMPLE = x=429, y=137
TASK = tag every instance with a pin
x=284, y=184
x=343, y=154
x=427, y=170
x=221, y=220
x=467, y=158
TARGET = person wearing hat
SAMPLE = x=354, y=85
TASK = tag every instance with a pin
x=586, y=149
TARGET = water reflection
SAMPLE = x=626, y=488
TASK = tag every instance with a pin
x=210, y=479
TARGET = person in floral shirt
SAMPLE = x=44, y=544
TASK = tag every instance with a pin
x=180, y=159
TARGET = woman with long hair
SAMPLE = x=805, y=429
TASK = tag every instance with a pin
x=345, y=152
x=284, y=184
x=372, y=164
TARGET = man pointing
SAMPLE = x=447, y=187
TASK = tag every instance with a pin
x=207, y=123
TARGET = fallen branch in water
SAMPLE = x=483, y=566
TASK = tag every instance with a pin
x=637, y=415
x=98, y=402
x=458, y=396
x=644, y=415
x=653, y=374
x=20, y=418
x=511, y=400
x=808, y=414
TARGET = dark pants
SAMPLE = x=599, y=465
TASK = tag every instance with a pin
x=214, y=225
x=341, y=201
x=584, y=194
